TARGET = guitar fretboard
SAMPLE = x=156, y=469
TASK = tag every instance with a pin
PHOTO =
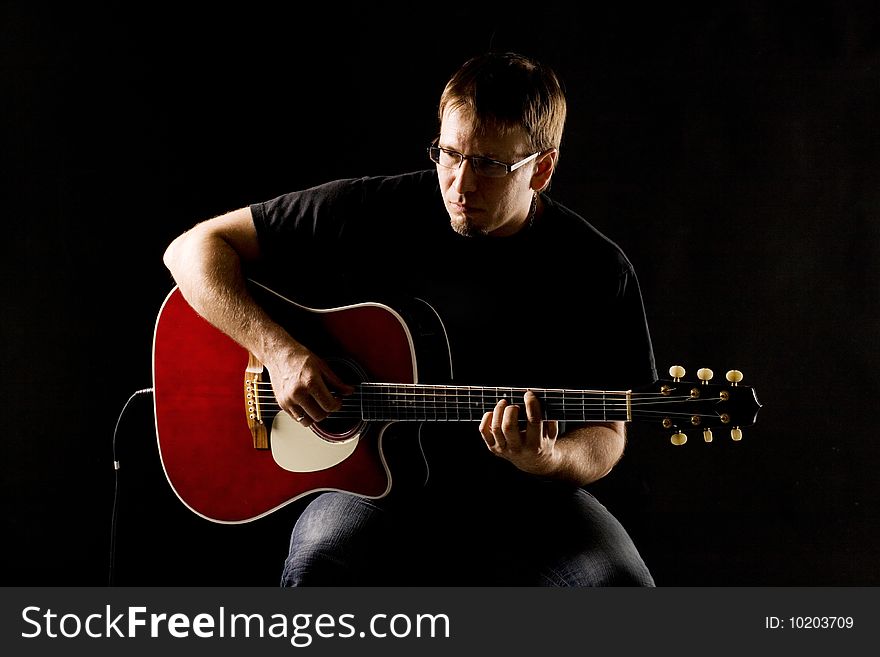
x=425, y=403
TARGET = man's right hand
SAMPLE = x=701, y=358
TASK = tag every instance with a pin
x=305, y=386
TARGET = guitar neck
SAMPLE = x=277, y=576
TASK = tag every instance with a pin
x=426, y=403
x=669, y=403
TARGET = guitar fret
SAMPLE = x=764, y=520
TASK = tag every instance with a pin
x=408, y=406
x=415, y=402
x=366, y=406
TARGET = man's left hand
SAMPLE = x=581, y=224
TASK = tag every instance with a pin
x=532, y=450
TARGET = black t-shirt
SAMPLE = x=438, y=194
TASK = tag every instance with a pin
x=557, y=305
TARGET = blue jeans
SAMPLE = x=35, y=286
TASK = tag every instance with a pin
x=544, y=537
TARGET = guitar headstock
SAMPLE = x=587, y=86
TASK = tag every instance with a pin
x=679, y=406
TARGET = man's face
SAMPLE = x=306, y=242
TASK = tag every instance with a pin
x=478, y=205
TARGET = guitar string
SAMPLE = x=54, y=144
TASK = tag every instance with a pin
x=426, y=390
x=577, y=403
x=398, y=399
x=466, y=417
x=568, y=404
x=468, y=414
x=349, y=403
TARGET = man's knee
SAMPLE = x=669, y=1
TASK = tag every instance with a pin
x=331, y=541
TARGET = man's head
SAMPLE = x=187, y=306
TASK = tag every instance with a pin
x=507, y=92
x=509, y=109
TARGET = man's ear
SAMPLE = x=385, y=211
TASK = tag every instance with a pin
x=545, y=165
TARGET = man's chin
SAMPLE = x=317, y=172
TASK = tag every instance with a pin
x=465, y=227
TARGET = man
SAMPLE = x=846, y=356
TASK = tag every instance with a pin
x=530, y=296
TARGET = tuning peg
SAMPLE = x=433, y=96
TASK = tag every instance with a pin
x=705, y=375
x=676, y=372
x=734, y=376
x=678, y=439
x=707, y=435
x=736, y=434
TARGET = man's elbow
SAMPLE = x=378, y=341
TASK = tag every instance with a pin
x=173, y=256
x=168, y=256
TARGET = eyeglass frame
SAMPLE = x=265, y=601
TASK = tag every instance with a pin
x=510, y=168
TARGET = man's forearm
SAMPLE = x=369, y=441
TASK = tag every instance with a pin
x=208, y=272
x=589, y=452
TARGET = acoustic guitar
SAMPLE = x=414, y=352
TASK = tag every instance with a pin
x=231, y=455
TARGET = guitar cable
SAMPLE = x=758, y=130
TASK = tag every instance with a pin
x=116, y=466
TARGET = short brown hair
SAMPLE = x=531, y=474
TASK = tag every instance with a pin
x=508, y=91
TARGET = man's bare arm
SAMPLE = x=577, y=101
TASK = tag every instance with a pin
x=581, y=456
x=207, y=263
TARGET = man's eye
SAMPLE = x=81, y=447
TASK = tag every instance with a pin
x=489, y=166
x=448, y=158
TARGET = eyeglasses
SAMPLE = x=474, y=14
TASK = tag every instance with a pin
x=483, y=166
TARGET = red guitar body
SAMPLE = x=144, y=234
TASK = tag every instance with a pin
x=205, y=443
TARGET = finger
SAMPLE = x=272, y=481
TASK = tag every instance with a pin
x=533, y=408
x=534, y=414
x=325, y=400
x=314, y=395
x=312, y=408
x=535, y=424
x=486, y=430
x=510, y=427
x=299, y=415
x=497, y=420
x=335, y=382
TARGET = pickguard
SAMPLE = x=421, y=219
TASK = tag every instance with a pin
x=296, y=448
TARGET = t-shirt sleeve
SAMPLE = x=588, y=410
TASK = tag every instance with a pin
x=635, y=349
x=603, y=340
x=305, y=221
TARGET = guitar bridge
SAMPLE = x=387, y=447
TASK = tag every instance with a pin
x=253, y=376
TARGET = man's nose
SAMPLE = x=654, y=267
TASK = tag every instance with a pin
x=465, y=178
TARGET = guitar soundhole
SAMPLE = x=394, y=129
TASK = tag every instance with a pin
x=346, y=424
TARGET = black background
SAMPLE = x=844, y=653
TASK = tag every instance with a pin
x=731, y=149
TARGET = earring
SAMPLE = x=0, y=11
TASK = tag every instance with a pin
x=533, y=208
